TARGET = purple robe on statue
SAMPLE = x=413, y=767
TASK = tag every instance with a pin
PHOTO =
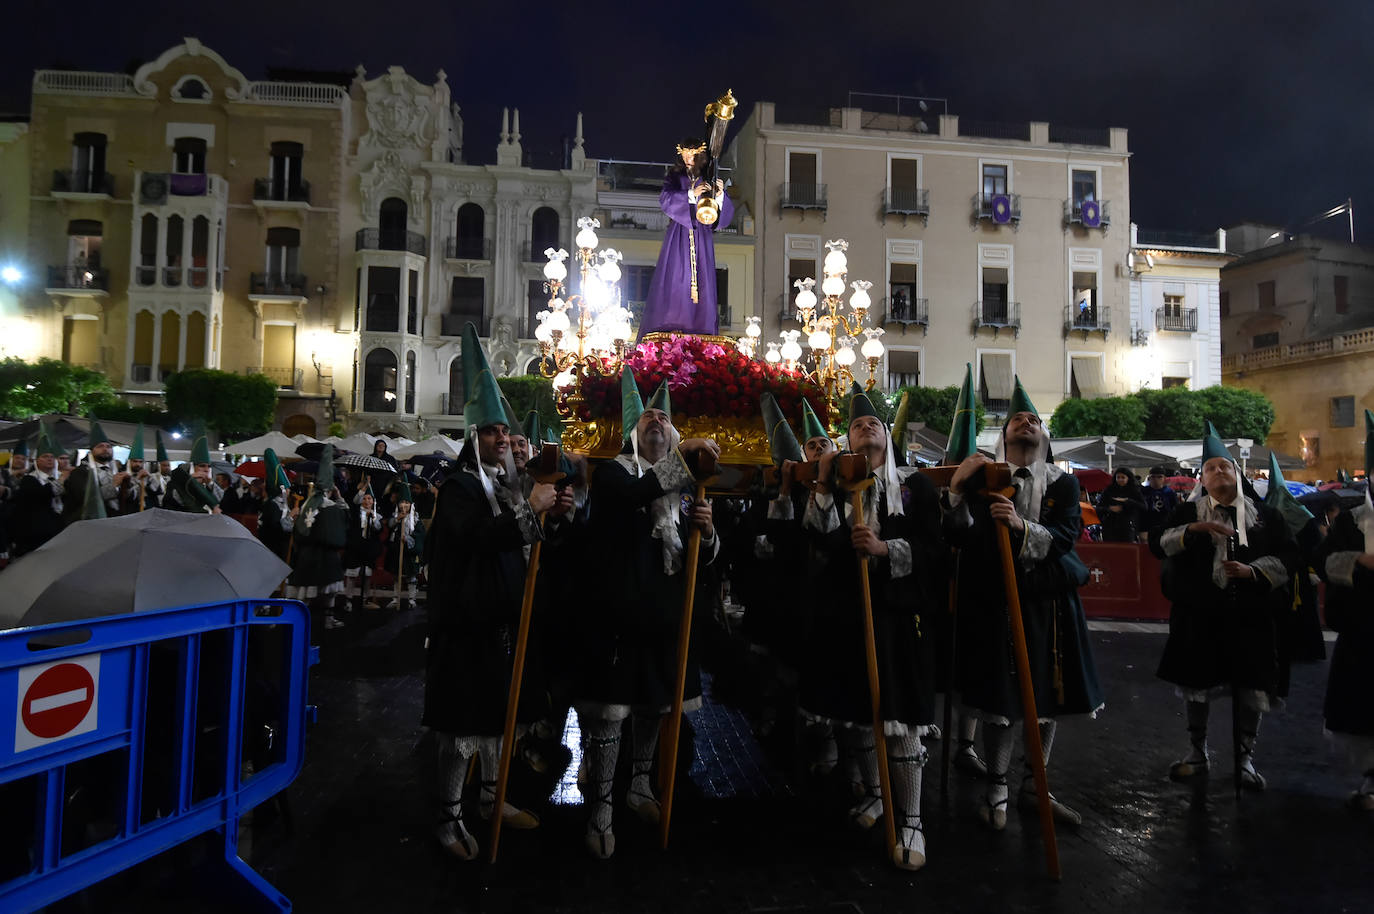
x=670, y=306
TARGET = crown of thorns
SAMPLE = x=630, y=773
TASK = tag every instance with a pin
x=699, y=147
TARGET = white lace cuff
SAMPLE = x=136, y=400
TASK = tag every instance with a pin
x=820, y=513
x=1035, y=544
x=781, y=508
x=528, y=522
x=1340, y=568
x=1171, y=540
x=898, y=558
x=672, y=472
x=1271, y=568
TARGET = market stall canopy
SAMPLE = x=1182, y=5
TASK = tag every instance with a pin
x=256, y=447
x=436, y=444
x=1128, y=454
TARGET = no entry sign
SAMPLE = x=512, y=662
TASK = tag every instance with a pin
x=56, y=701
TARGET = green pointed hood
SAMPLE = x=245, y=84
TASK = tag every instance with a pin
x=21, y=448
x=899, y=422
x=534, y=430
x=275, y=474
x=483, y=407
x=200, y=450
x=661, y=400
x=402, y=490
x=1279, y=498
x=812, y=427
x=1020, y=400
x=631, y=403
x=512, y=423
x=47, y=442
x=324, y=476
x=859, y=406
x=92, y=508
x=1368, y=443
x=161, y=448
x=963, y=432
x=1212, y=446
x=136, y=449
x=98, y=435
x=782, y=444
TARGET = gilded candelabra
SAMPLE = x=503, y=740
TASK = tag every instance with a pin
x=831, y=333
x=585, y=333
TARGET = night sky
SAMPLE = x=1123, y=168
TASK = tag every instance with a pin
x=1237, y=111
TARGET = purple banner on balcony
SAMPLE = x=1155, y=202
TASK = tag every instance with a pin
x=1092, y=213
x=1001, y=209
x=189, y=185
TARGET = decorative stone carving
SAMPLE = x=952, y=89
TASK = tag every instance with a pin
x=387, y=177
x=398, y=111
x=538, y=191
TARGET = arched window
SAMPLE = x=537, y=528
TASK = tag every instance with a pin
x=192, y=89
x=195, y=340
x=142, y=366
x=379, y=382
x=456, y=394
x=200, y=252
x=543, y=232
x=169, y=346
x=410, y=382
x=468, y=242
x=391, y=225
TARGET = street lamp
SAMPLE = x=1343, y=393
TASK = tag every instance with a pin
x=11, y=274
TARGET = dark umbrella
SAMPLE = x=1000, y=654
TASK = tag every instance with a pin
x=370, y=465
x=435, y=467
x=312, y=450
x=154, y=559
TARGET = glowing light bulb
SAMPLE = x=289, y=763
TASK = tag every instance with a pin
x=753, y=331
x=772, y=356
x=806, y=300
x=860, y=301
x=873, y=347
x=819, y=340
x=586, y=237
x=833, y=285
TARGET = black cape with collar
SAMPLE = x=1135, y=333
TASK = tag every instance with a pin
x=1350, y=687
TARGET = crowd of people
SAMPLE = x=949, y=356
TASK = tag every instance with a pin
x=810, y=553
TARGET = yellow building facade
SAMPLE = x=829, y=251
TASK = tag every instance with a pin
x=186, y=217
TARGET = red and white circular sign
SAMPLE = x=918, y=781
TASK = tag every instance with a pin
x=56, y=701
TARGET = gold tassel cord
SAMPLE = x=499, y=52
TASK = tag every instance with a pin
x=692, y=245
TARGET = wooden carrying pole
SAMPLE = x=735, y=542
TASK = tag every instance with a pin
x=1032, y=721
x=546, y=472
x=667, y=758
x=853, y=473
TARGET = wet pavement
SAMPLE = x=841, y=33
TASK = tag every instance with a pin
x=752, y=833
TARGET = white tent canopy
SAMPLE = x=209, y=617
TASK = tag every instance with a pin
x=440, y=443
x=257, y=447
x=358, y=443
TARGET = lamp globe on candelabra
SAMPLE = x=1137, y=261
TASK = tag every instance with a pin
x=844, y=351
x=773, y=356
x=872, y=347
x=586, y=239
x=860, y=301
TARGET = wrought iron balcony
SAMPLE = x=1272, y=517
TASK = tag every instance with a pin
x=907, y=201
x=284, y=378
x=77, y=278
x=1088, y=213
x=804, y=196
x=268, y=190
x=997, y=315
x=1001, y=209
x=1091, y=319
x=371, y=239
x=69, y=181
x=1181, y=320
x=456, y=248
x=293, y=284
x=530, y=252
x=906, y=311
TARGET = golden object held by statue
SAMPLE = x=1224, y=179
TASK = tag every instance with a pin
x=708, y=210
x=723, y=107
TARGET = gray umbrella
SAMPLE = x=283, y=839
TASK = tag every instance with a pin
x=155, y=559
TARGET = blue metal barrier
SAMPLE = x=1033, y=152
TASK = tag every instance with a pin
x=128, y=735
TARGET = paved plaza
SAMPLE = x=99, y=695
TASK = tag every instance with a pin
x=753, y=834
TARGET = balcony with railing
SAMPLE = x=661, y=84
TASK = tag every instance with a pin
x=268, y=191
x=998, y=315
x=530, y=252
x=1084, y=318
x=284, y=377
x=174, y=277
x=1088, y=213
x=371, y=239
x=787, y=308
x=82, y=82
x=457, y=248
x=75, y=182
x=794, y=195
x=906, y=312
x=91, y=282
x=143, y=374
x=1000, y=209
x=907, y=201
x=631, y=175
x=277, y=285
x=1181, y=320
x=155, y=188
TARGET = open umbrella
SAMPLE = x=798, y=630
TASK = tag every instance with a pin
x=154, y=559
x=370, y=465
x=255, y=469
x=1092, y=479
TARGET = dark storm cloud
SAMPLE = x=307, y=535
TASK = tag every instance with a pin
x=1236, y=110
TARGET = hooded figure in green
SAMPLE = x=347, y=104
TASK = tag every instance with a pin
x=895, y=531
x=1043, y=521
x=275, y=521
x=188, y=488
x=1346, y=562
x=476, y=552
x=37, y=504
x=320, y=531
x=1228, y=566
x=642, y=514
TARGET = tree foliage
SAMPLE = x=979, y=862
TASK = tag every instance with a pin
x=237, y=406
x=527, y=392
x=1167, y=415
x=50, y=386
x=935, y=406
